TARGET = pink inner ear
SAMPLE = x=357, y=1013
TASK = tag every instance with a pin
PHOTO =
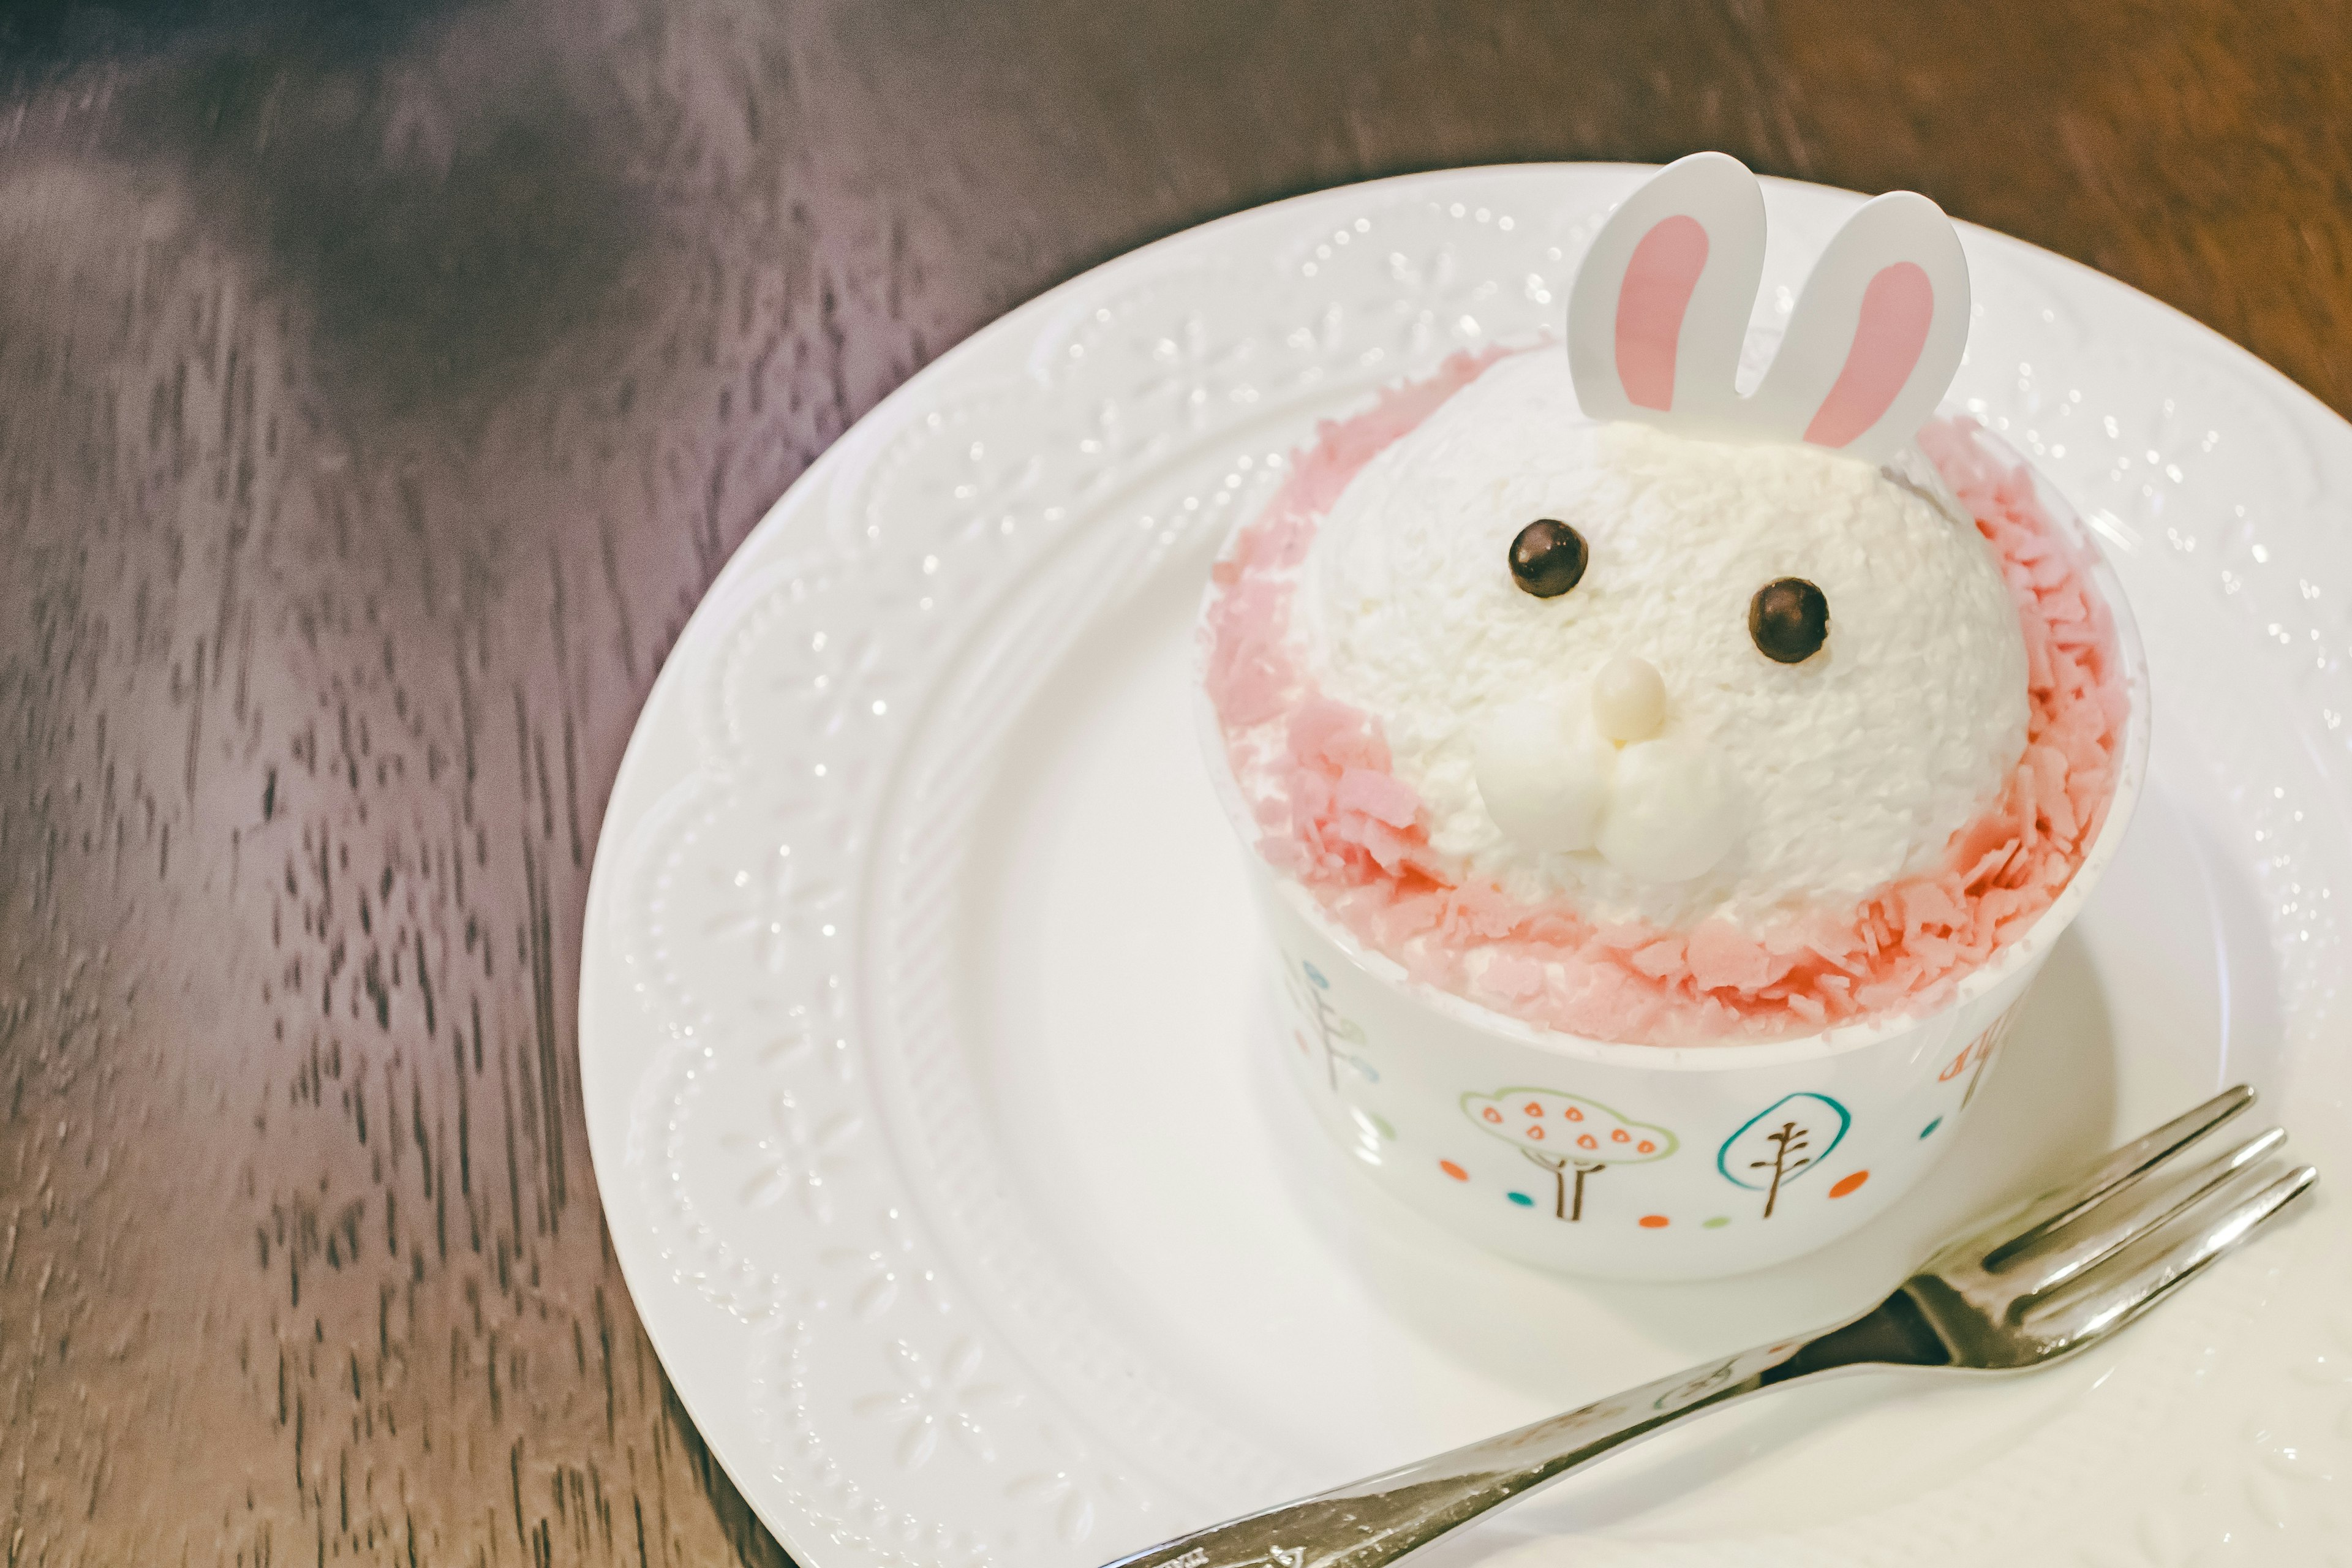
x=1898, y=304
x=1650, y=304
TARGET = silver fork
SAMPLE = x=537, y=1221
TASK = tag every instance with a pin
x=2026, y=1289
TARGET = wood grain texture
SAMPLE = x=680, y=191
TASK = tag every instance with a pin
x=377, y=399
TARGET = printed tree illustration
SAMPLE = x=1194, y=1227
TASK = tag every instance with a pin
x=1568, y=1136
x=1782, y=1142
x=1325, y=1027
x=1979, y=1054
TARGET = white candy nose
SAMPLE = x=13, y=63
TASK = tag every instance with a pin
x=1629, y=699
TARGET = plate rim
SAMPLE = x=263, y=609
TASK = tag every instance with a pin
x=637, y=786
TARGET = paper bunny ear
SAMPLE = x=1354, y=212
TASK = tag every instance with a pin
x=1876, y=335
x=1660, y=305
x=1659, y=312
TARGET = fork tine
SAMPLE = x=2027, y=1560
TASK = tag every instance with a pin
x=2059, y=1253
x=2112, y=1174
x=2110, y=1298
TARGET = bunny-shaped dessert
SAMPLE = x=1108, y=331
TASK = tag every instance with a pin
x=1574, y=703
x=1668, y=650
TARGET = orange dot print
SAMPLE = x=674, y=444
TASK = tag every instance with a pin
x=1848, y=1183
x=1533, y=1108
x=1584, y=1141
x=1654, y=1222
x=1619, y=1136
x=1573, y=1114
x=1453, y=1170
x=1646, y=1147
x=1491, y=1114
x=1535, y=1133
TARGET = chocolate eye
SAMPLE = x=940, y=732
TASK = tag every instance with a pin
x=1790, y=620
x=1547, y=558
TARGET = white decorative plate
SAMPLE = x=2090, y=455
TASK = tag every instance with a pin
x=929, y=1097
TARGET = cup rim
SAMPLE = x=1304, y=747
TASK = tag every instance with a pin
x=2017, y=957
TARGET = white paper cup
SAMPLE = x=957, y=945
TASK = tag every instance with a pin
x=1634, y=1161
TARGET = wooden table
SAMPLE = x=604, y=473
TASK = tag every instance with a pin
x=377, y=399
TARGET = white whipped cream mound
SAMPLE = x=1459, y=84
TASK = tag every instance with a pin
x=1850, y=770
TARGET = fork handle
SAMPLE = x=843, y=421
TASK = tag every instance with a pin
x=1380, y=1519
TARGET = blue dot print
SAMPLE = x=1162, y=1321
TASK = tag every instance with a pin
x=1522, y=1199
x=1931, y=1127
x=1315, y=976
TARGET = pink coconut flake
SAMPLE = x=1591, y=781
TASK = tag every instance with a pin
x=1335, y=818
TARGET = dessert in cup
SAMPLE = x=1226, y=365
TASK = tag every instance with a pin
x=1659, y=796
